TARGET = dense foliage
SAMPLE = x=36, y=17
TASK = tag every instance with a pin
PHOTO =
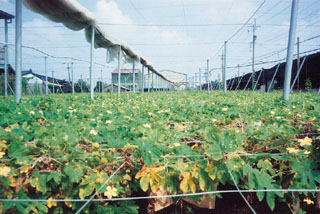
x=65, y=147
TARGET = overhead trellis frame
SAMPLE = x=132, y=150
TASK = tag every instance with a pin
x=76, y=17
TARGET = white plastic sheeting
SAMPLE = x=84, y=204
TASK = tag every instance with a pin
x=76, y=17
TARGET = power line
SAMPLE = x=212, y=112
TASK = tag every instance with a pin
x=247, y=21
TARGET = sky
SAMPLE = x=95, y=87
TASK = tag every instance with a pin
x=177, y=35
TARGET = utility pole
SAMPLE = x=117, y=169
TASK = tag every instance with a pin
x=222, y=66
x=208, y=75
x=72, y=77
x=298, y=62
x=219, y=81
x=82, y=83
x=292, y=36
x=196, y=80
x=238, y=73
x=68, y=68
x=200, y=79
x=254, y=38
x=53, y=82
x=133, y=77
x=225, y=67
x=45, y=71
x=101, y=85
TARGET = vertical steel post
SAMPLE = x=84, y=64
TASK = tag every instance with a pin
x=101, y=85
x=200, y=79
x=142, y=79
x=238, y=73
x=72, y=78
x=292, y=36
x=208, y=81
x=91, y=62
x=148, y=80
x=152, y=83
x=253, y=53
x=46, y=74
x=6, y=57
x=134, y=77
x=18, y=51
x=53, y=82
x=119, y=70
x=298, y=62
x=82, y=83
x=225, y=67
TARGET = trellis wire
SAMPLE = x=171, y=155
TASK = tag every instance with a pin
x=162, y=196
x=105, y=183
x=235, y=183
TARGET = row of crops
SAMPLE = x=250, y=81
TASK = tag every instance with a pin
x=67, y=147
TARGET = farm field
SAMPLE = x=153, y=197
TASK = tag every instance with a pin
x=69, y=147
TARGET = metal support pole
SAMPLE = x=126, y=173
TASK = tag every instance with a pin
x=200, y=79
x=119, y=70
x=255, y=86
x=72, y=78
x=274, y=76
x=82, y=83
x=298, y=73
x=298, y=62
x=134, y=77
x=148, y=80
x=233, y=80
x=238, y=73
x=208, y=82
x=18, y=51
x=101, y=85
x=292, y=36
x=253, y=53
x=152, y=83
x=239, y=83
x=91, y=63
x=6, y=57
x=53, y=82
x=46, y=74
x=142, y=79
x=224, y=66
x=248, y=82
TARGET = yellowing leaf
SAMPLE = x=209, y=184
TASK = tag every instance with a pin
x=144, y=182
x=95, y=145
x=24, y=169
x=68, y=204
x=2, y=154
x=13, y=181
x=212, y=171
x=187, y=183
x=4, y=171
x=293, y=150
x=51, y=203
x=308, y=201
x=305, y=142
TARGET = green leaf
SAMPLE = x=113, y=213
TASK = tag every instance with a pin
x=75, y=173
x=214, y=151
x=271, y=200
x=147, y=158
